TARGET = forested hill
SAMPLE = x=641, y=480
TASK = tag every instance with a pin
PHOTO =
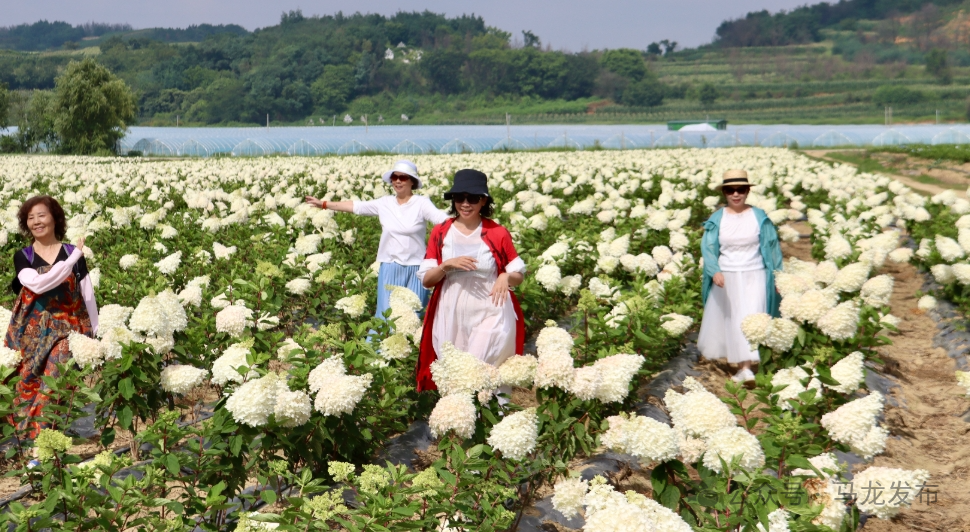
x=806, y=24
x=44, y=35
x=321, y=67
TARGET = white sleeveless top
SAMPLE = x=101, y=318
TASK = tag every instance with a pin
x=739, y=237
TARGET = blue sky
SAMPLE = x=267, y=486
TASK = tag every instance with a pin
x=565, y=24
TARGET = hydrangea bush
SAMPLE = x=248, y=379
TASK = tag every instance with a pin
x=221, y=290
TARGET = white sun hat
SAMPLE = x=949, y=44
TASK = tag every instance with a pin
x=405, y=167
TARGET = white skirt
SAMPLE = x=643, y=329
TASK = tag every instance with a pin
x=720, y=335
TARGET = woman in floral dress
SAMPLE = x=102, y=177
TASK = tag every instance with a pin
x=55, y=297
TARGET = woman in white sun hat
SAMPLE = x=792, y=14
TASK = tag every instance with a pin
x=741, y=255
x=404, y=220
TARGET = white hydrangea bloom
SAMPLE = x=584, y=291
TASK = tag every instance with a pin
x=943, y=273
x=837, y=247
x=222, y=252
x=607, y=510
x=855, y=422
x=826, y=463
x=901, y=255
x=812, y=305
x=169, y=264
x=888, y=479
x=662, y=255
x=234, y=320
x=288, y=349
x=149, y=317
x=568, y=496
x=852, y=277
x=926, y=303
x=515, y=436
x=86, y=351
x=109, y=317
x=731, y=442
x=341, y=393
x=224, y=368
x=182, y=378
x=781, y=335
x=825, y=272
x=549, y=277
x=849, y=372
x=353, y=306
x=518, y=371
x=127, y=261
x=253, y=401
x=298, y=286
x=615, y=374
x=293, y=408
x=586, y=380
x=456, y=371
x=755, y=328
x=643, y=437
x=949, y=249
x=191, y=295
x=963, y=379
x=698, y=412
x=842, y=322
x=791, y=378
x=453, y=412
x=9, y=358
x=570, y=284
x=555, y=366
x=395, y=347
x=676, y=324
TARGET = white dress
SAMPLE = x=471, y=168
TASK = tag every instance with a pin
x=466, y=315
x=743, y=293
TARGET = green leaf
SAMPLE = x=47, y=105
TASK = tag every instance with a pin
x=670, y=497
x=124, y=417
x=658, y=479
x=126, y=388
x=268, y=496
x=172, y=464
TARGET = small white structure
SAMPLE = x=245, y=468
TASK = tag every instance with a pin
x=404, y=118
x=401, y=45
x=348, y=119
x=380, y=119
x=698, y=127
x=389, y=54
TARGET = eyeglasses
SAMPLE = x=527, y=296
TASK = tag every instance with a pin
x=470, y=198
x=728, y=191
x=400, y=177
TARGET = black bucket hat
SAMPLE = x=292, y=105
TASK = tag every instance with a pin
x=469, y=181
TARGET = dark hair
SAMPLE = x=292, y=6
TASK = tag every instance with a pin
x=486, y=211
x=414, y=184
x=60, y=222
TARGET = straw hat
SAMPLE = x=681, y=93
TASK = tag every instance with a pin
x=403, y=167
x=734, y=178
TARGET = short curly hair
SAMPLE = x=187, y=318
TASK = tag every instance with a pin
x=60, y=222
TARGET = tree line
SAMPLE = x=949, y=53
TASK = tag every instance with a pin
x=325, y=66
x=87, y=113
x=805, y=24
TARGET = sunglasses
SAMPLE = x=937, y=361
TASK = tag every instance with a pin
x=732, y=190
x=400, y=177
x=470, y=198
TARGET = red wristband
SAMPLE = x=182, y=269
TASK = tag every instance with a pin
x=324, y=206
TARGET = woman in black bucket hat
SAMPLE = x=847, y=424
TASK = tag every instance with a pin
x=472, y=264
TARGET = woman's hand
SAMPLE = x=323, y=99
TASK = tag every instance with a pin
x=314, y=201
x=80, y=243
x=500, y=290
x=463, y=263
x=719, y=279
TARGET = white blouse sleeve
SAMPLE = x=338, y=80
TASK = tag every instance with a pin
x=434, y=214
x=87, y=293
x=426, y=265
x=40, y=283
x=367, y=208
x=516, y=266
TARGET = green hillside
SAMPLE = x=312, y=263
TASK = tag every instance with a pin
x=846, y=63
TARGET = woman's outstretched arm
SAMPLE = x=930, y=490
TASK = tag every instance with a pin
x=341, y=206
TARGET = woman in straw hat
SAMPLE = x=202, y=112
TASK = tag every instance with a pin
x=741, y=253
x=404, y=220
x=472, y=264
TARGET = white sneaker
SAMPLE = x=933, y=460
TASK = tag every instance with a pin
x=744, y=375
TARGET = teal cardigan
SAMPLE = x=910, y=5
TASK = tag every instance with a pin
x=770, y=254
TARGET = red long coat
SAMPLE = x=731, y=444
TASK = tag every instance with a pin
x=499, y=242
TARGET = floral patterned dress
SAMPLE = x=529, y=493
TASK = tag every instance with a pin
x=39, y=329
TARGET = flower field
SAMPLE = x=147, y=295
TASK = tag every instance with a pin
x=238, y=358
